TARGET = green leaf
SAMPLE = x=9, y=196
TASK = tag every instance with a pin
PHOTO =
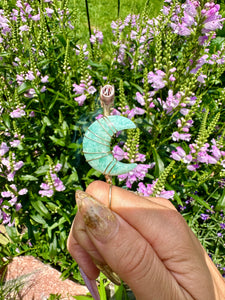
x=73, y=146
x=96, y=65
x=13, y=234
x=24, y=87
x=159, y=165
x=6, y=120
x=61, y=39
x=102, y=291
x=42, y=170
x=56, y=224
x=47, y=121
x=53, y=247
x=4, y=239
x=57, y=93
x=176, y=196
x=200, y=200
x=3, y=54
x=52, y=206
x=137, y=87
x=221, y=202
x=41, y=209
x=57, y=141
x=28, y=178
x=119, y=291
x=93, y=172
x=39, y=219
x=62, y=239
x=72, y=178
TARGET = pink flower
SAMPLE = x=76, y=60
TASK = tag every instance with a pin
x=166, y=194
x=15, y=143
x=23, y=191
x=57, y=167
x=216, y=152
x=49, y=11
x=45, y=186
x=6, y=194
x=19, y=4
x=187, y=19
x=180, y=155
x=32, y=114
x=157, y=79
x=193, y=167
x=18, y=165
x=84, y=48
x=48, y=193
x=140, y=98
x=172, y=78
x=183, y=30
x=18, y=206
x=3, y=148
x=91, y=90
x=28, y=9
x=96, y=37
x=176, y=136
x=79, y=89
x=13, y=201
x=30, y=93
x=80, y=100
x=136, y=174
x=11, y=175
x=48, y=189
x=118, y=153
x=148, y=190
x=134, y=111
x=140, y=157
x=190, y=8
x=204, y=157
x=44, y=79
x=30, y=75
x=24, y=28
x=99, y=116
x=43, y=89
x=19, y=79
x=172, y=101
x=17, y=113
x=36, y=17
x=58, y=185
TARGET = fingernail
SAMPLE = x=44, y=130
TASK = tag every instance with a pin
x=99, y=219
x=91, y=285
x=108, y=272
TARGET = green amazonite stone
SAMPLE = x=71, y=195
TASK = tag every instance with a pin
x=97, y=145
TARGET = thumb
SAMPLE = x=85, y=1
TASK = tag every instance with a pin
x=126, y=251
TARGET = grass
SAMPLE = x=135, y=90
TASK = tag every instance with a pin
x=103, y=12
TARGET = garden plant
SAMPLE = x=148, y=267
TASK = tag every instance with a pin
x=169, y=76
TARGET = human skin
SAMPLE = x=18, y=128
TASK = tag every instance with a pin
x=146, y=242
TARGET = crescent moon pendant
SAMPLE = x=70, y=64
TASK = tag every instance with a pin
x=97, y=142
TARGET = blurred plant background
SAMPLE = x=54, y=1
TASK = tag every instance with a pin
x=167, y=62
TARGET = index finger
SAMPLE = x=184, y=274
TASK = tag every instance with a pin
x=100, y=190
x=155, y=218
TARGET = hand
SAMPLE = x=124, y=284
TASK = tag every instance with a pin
x=146, y=242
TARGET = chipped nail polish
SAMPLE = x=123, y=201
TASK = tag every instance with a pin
x=99, y=219
x=108, y=272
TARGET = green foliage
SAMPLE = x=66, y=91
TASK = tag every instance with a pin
x=44, y=71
